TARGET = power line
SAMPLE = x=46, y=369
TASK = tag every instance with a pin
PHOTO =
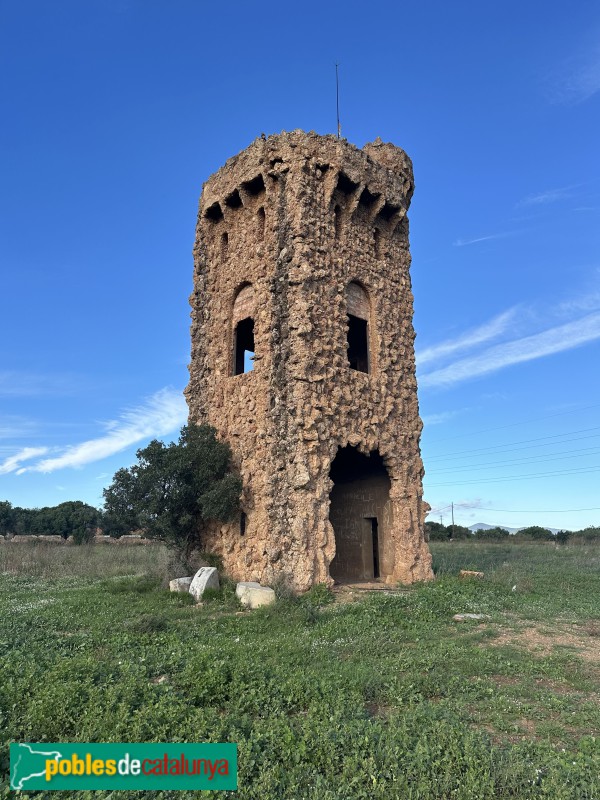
x=522, y=441
x=436, y=511
x=516, y=424
x=524, y=510
x=527, y=460
x=544, y=511
x=519, y=477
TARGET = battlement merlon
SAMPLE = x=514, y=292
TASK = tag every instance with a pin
x=382, y=169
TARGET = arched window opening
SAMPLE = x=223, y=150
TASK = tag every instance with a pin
x=358, y=344
x=244, y=346
x=243, y=331
x=357, y=305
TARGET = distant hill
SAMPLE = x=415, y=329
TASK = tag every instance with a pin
x=483, y=526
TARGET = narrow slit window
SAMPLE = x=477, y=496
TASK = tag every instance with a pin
x=358, y=343
x=244, y=346
x=377, y=242
x=224, y=246
x=243, y=524
x=261, y=223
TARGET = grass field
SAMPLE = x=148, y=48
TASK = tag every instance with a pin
x=385, y=697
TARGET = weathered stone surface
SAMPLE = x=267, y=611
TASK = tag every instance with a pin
x=205, y=578
x=180, y=584
x=253, y=595
x=295, y=233
x=243, y=585
x=465, y=617
x=470, y=573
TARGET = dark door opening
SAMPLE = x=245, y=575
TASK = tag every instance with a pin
x=244, y=346
x=360, y=513
x=375, y=545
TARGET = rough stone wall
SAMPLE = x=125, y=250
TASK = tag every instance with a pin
x=299, y=217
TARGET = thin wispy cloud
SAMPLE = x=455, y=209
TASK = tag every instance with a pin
x=484, y=333
x=22, y=384
x=466, y=242
x=554, y=340
x=459, y=505
x=13, y=462
x=160, y=415
x=576, y=79
x=544, y=198
x=437, y=419
x=583, y=303
x=15, y=427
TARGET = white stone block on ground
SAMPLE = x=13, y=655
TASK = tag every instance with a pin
x=205, y=578
x=180, y=584
x=465, y=617
x=253, y=595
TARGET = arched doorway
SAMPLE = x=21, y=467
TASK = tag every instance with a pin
x=360, y=512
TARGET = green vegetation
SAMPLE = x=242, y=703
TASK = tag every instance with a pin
x=43, y=560
x=385, y=697
x=436, y=532
x=72, y=518
x=174, y=491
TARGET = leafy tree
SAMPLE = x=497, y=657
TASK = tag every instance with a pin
x=175, y=490
x=591, y=534
x=459, y=532
x=7, y=517
x=76, y=519
x=492, y=534
x=436, y=532
x=562, y=537
x=536, y=533
x=73, y=518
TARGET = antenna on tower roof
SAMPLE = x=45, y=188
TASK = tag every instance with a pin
x=337, y=100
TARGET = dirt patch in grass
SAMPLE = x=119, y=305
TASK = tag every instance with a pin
x=556, y=687
x=592, y=628
x=352, y=592
x=542, y=642
x=378, y=710
x=506, y=680
x=526, y=725
x=553, y=686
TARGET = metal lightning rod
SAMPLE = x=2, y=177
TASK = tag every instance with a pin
x=337, y=101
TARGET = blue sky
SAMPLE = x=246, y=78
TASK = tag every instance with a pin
x=114, y=113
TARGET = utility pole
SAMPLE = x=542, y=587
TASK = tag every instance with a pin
x=452, y=520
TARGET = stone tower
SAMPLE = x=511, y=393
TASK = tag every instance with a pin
x=303, y=360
